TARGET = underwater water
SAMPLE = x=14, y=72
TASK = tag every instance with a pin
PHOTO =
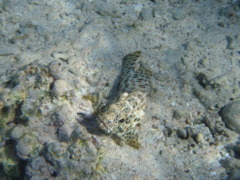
x=62, y=84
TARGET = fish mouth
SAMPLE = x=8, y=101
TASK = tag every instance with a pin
x=104, y=127
x=102, y=124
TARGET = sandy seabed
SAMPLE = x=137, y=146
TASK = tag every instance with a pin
x=52, y=53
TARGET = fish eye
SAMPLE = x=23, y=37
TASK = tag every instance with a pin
x=121, y=120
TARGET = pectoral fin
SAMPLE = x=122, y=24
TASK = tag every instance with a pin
x=130, y=138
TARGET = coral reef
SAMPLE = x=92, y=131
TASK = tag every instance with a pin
x=40, y=136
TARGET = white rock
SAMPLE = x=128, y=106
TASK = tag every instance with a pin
x=60, y=87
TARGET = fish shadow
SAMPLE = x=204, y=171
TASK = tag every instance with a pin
x=90, y=121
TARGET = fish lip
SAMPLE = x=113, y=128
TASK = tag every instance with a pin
x=103, y=123
x=103, y=126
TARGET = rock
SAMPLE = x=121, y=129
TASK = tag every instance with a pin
x=191, y=142
x=38, y=162
x=60, y=87
x=56, y=67
x=27, y=147
x=54, y=151
x=232, y=42
x=200, y=138
x=138, y=8
x=182, y=133
x=109, y=9
x=17, y=132
x=23, y=150
x=190, y=131
x=64, y=133
x=80, y=132
x=167, y=131
x=62, y=115
x=179, y=13
x=232, y=164
x=210, y=122
x=221, y=24
x=178, y=114
x=38, y=166
x=235, y=174
x=10, y=168
x=231, y=116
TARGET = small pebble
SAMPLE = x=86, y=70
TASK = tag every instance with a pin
x=17, y=132
x=182, y=133
x=221, y=24
x=200, y=138
x=62, y=115
x=189, y=131
x=231, y=116
x=56, y=68
x=179, y=13
x=64, y=133
x=230, y=43
x=177, y=114
x=61, y=87
x=23, y=149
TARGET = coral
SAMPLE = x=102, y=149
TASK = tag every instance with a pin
x=41, y=139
